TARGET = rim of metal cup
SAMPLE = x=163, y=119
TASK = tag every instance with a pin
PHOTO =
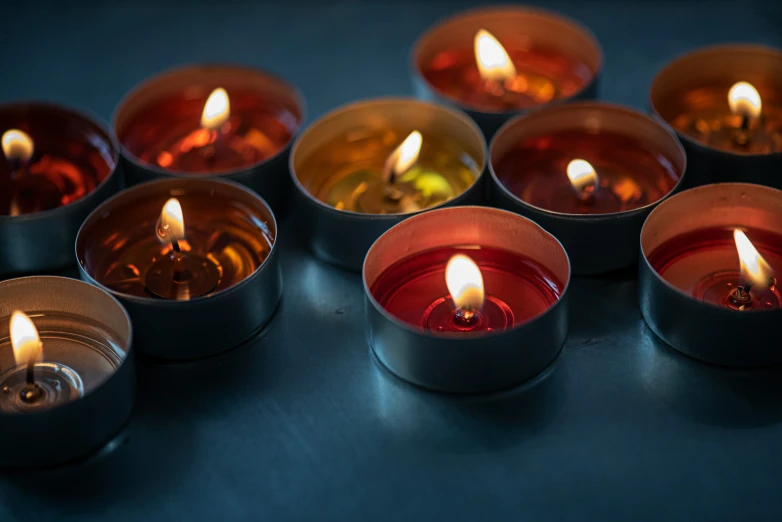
x=142, y=187
x=594, y=105
x=363, y=105
x=740, y=49
x=501, y=11
x=89, y=118
x=428, y=344
x=121, y=380
x=154, y=80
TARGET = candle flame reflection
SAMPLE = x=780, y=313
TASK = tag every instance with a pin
x=465, y=282
x=744, y=100
x=753, y=266
x=17, y=145
x=582, y=175
x=172, y=222
x=404, y=156
x=24, y=339
x=217, y=110
x=492, y=58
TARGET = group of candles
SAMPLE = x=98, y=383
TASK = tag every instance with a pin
x=587, y=174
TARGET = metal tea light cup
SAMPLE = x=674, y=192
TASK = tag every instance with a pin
x=75, y=430
x=466, y=363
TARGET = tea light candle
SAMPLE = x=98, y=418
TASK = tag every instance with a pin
x=366, y=166
x=708, y=276
x=66, y=383
x=473, y=302
x=496, y=62
x=57, y=165
x=724, y=104
x=198, y=253
x=586, y=170
x=211, y=120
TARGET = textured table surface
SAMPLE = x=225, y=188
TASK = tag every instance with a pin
x=302, y=423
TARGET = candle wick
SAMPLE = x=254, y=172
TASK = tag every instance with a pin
x=31, y=372
x=175, y=246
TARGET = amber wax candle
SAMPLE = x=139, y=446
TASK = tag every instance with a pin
x=57, y=165
x=712, y=256
x=366, y=166
x=589, y=173
x=210, y=120
x=194, y=252
x=725, y=104
x=499, y=61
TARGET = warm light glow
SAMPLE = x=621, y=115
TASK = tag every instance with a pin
x=172, y=221
x=753, y=266
x=217, y=110
x=405, y=155
x=744, y=100
x=581, y=174
x=24, y=339
x=17, y=145
x=492, y=59
x=465, y=282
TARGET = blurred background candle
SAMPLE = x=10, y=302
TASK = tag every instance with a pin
x=589, y=173
x=725, y=104
x=211, y=120
x=56, y=166
x=364, y=167
x=495, y=62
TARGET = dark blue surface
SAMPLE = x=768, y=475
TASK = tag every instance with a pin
x=302, y=424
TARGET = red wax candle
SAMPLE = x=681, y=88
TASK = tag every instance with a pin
x=208, y=120
x=517, y=289
x=631, y=173
x=705, y=263
x=507, y=59
x=51, y=157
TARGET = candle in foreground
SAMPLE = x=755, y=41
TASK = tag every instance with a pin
x=707, y=280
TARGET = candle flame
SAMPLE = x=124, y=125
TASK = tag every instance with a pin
x=465, y=282
x=404, y=156
x=24, y=339
x=172, y=221
x=217, y=110
x=582, y=175
x=753, y=266
x=744, y=100
x=492, y=58
x=17, y=145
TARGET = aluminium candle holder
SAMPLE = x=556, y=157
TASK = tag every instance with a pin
x=536, y=34
x=370, y=129
x=596, y=242
x=704, y=330
x=86, y=373
x=699, y=81
x=469, y=361
x=266, y=113
x=232, y=279
x=67, y=144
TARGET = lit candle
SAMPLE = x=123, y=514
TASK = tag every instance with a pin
x=163, y=247
x=56, y=166
x=707, y=283
x=502, y=60
x=66, y=378
x=474, y=300
x=363, y=167
x=210, y=120
x=587, y=165
x=723, y=103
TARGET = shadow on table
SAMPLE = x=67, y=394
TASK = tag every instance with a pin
x=465, y=424
x=715, y=395
x=160, y=443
